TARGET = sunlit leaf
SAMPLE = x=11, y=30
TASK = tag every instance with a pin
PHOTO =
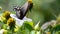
x=28, y=25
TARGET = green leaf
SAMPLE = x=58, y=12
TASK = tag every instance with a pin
x=58, y=32
x=37, y=27
x=33, y=32
x=4, y=26
x=56, y=28
x=28, y=25
x=2, y=19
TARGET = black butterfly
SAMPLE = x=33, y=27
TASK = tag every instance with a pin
x=22, y=11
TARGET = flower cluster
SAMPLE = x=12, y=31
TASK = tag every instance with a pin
x=10, y=22
x=6, y=14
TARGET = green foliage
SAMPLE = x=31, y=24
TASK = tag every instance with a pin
x=4, y=26
x=56, y=28
x=58, y=32
x=28, y=25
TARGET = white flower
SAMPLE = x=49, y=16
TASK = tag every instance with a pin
x=1, y=31
x=18, y=21
x=52, y=23
x=44, y=26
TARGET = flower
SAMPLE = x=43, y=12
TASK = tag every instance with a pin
x=5, y=32
x=6, y=14
x=10, y=22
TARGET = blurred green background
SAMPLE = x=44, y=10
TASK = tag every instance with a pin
x=42, y=9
